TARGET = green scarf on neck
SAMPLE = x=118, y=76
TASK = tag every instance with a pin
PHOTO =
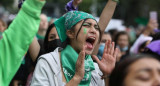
x=69, y=58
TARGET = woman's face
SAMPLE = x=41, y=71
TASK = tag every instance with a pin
x=144, y=72
x=53, y=34
x=88, y=36
x=123, y=41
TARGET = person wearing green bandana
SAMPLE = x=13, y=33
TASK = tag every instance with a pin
x=17, y=38
x=52, y=36
x=73, y=65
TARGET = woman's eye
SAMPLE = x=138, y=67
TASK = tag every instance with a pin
x=52, y=37
x=85, y=24
x=144, y=78
x=96, y=27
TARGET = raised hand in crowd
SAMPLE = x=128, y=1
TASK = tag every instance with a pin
x=151, y=26
x=80, y=71
x=76, y=2
x=107, y=63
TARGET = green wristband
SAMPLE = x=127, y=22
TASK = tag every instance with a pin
x=116, y=1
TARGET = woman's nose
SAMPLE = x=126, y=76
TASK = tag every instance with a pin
x=93, y=30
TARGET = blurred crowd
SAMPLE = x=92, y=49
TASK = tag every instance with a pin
x=131, y=56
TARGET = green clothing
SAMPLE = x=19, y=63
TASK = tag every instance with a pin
x=69, y=61
x=39, y=37
x=17, y=38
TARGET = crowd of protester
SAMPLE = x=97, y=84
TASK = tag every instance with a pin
x=76, y=50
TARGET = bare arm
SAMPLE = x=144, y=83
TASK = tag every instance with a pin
x=34, y=49
x=80, y=70
x=105, y=17
x=107, y=14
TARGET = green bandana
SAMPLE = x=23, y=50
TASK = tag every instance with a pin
x=69, y=58
x=68, y=20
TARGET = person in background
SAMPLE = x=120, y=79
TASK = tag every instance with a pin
x=17, y=38
x=122, y=42
x=106, y=36
x=42, y=27
x=145, y=36
x=136, y=70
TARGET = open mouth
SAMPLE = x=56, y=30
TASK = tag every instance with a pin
x=90, y=41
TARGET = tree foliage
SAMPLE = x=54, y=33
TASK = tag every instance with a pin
x=128, y=10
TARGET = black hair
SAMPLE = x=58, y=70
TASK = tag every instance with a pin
x=156, y=36
x=142, y=46
x=46, y=36
x=120, y=72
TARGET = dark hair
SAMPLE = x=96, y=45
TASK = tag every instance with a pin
x=121, y=70
x=142, y=46
x=46, y=36
x=156, y=36
x=113, y=33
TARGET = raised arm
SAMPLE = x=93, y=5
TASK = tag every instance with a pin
x=152, y=24
x=34, y=49
x=17, y=38
x=105, y=17
x=107, y=14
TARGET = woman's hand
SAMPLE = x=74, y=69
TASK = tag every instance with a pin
x=80, y=71
x=107, y=63
x=79, y=74
x=152, y=24
x=76, y=2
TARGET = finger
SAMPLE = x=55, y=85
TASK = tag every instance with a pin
x=83, y=48
x=108, y=46
x=81, y=57
x=116, y=53
x=112, y=48
x=80, y=64
x=96, y=58
x=105, y=48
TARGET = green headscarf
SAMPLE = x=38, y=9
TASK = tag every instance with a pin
x=68, y=20
x=68, y=55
